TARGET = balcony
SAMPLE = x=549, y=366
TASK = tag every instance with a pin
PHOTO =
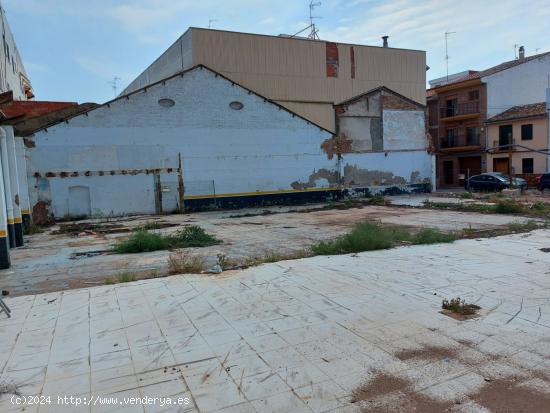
x=503, y=145
x=460, y=142
x=459, y=111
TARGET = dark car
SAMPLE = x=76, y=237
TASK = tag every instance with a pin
x=493, y=181
x=543, y=181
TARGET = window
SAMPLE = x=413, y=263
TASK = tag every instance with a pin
x=166, y=102
x=527, y=132
x=236, y=105
x=452, y=138
x=472, y=135
x=473, y=95
x=527, y=165
x=451, y=107
x=505, y=135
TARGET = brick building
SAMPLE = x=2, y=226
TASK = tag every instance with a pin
x=459, y=108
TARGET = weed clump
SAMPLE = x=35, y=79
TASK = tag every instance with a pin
x=32, y=229
x=458, y=306
x=142, y=241
x=525, y=227
x=181, y=262
x=146, y=241
x=508, y=207
x=148, y=226
x=363, y=237
x=368, y=236
x=123, y=277
x=192, y=236
x=466, y=195
x=432, y=236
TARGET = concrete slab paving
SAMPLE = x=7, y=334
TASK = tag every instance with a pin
x=343, y=333
x=47, y=262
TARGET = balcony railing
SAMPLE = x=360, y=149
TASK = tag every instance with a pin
x=467, y=108
x=503, y=144
x=458, y=141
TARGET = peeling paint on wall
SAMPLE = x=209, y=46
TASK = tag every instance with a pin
x=355, y=176
x=322, y=178
x=336, y=145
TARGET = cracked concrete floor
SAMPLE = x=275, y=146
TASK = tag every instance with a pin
x=45, y=263
x=350, y=333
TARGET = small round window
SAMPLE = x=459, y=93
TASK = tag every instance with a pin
x=166, y=102
x=235, y=105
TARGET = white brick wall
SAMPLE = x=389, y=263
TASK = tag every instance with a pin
x=258, y=148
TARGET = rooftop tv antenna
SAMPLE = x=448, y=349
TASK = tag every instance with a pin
x=313, y=34
x=314, y=31
x=210, y=21
x=113, y=84
x=447, y=34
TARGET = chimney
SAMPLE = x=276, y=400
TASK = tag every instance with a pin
x=385, y=40
x=521, y=53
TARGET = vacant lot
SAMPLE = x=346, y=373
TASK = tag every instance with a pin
x=348, y=333
x=79, y=255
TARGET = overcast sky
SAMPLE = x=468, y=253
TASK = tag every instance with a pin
x=72, y=49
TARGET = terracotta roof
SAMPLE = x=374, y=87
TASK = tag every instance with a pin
x=520, y=112
x=30, y=108
x=495, y=69
x=26, y=126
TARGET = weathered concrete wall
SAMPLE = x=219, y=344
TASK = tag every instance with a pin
x=387, y=169
x=361, y=121
x=366, y=132
x=259, y=148
x=404, y=130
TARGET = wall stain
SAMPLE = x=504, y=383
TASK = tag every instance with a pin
x=364, y=177
x=336, y=145
x=330, y=176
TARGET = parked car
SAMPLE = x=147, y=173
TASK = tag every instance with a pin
x=543, y=181
x=493, y=181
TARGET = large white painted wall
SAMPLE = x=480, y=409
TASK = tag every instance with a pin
x=404, y=130
x=258, y=148
x=520, y=85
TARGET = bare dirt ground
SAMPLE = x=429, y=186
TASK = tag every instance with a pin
x=57, y=260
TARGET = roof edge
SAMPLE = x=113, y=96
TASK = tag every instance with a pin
x=181, y=74
x=381, y=87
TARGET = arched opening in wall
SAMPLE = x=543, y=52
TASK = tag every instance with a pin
x=79, y=201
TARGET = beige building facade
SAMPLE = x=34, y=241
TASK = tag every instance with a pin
x=526, y=129
x=306, y=76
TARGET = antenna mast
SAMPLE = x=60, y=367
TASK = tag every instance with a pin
x=113, y=84
x=210, y=21
x=313, y=34
x=447, y=34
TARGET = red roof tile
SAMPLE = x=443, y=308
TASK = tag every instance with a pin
x=520, y=112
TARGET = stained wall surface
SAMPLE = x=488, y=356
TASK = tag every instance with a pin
x=258, y=148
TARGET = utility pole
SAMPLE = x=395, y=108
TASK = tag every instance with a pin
x=447, y=34
x=210, y=21
x=510, y=160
